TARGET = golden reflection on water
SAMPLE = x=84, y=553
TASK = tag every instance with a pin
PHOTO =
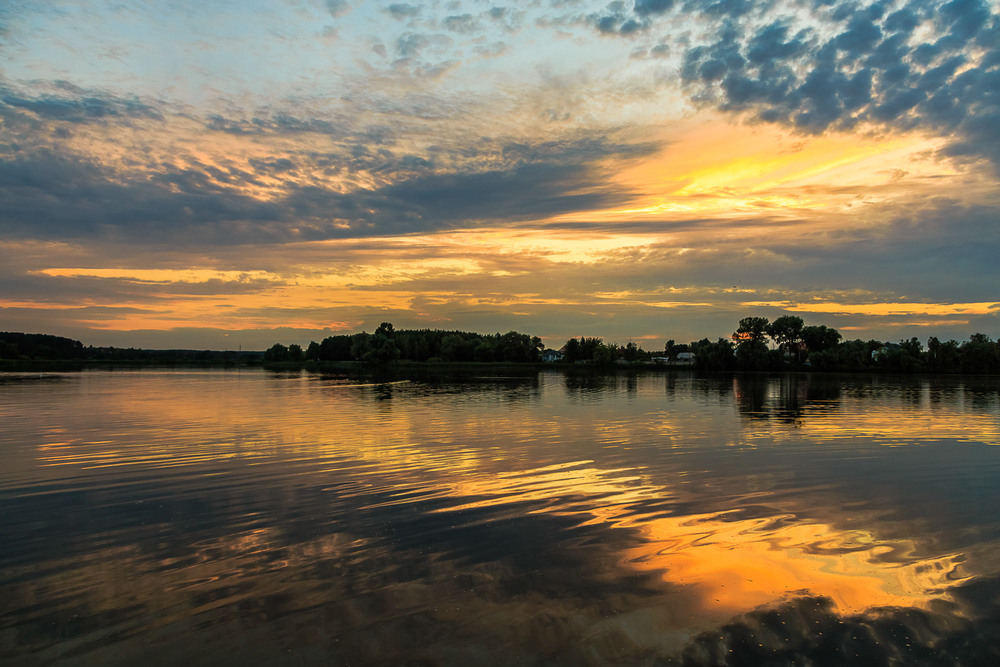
x=731, y=565
x=631, y=472
x=746, y=564
x=902, y=427
x=901, y=418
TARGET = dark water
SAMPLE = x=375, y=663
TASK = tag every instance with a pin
x=244, y=517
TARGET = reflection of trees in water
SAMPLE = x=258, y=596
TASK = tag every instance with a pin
x=983, y=393
x=384, y=386
x=751, y=396
x=808, y=631
x=506, y=390
x=926, y=392
x=712, y=389
x=787, y=398
x=582, y=384
x=908, y=389
x=593, y=382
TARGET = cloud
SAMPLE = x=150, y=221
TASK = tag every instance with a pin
x=442, y=201
x=276, y=165
x=617, y=20
x=646, y=7
x=860, y=67
x=462, y=23
x=337, y=7
x=77, y=105
x=49, y=195
x=412, y=46
x=403, y=11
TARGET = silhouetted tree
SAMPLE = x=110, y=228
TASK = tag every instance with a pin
x=717, y=356
x=605, y=355
x=276, y=352
x=454, y=347
x=14, y=345
x=819, y=338
x=753, y=329
x=942, y=357
x=336, y=348
x=484, y=350
x=380, y=348
x=979, y=355
x=751, y=339
x=786, y=331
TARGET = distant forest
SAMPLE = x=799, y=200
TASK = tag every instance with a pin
x=757, y=344
x=25, y=348
x=387, y=344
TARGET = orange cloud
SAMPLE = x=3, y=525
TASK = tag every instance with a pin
x=885, y=309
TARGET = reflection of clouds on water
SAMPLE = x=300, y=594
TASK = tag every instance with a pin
x=749, y=563
x=619, y=521
x=465, y=586
x=416, y=588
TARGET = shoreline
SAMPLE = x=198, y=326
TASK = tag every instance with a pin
x=439, y=367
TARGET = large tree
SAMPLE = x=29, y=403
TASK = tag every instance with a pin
x=786, y=331
x=753, y=329
x=751, y=339
x=820, y=338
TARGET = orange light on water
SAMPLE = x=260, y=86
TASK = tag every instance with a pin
x=739, y=565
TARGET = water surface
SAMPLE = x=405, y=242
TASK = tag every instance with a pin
x=235, y=517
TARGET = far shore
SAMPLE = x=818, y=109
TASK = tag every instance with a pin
x=32, y=365
x=415, y=368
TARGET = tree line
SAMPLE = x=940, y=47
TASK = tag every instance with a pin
x=793, y=345
x=387, y=344
x=18, y=347
x=757, y=344
x=27, y=346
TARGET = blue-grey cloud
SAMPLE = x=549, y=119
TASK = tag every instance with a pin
x=914, y=253
x=78, y=106
x=285, y=124
x=616, y=19
x=48, y=195
x=461, y=23
x=403, y=11
x=51, y=195
x=274, y=165
x=860, y=65
x=645, y=7
x=730, y=8
x=337, y=7
x=506, y=18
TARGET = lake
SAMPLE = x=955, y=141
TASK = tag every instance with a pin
x=233, y=517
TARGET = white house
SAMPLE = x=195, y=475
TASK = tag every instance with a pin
x=549, y=356
x=685, y=358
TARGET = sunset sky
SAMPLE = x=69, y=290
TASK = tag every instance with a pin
x=224, y=173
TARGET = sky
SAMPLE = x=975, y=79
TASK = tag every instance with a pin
x=237, y=173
